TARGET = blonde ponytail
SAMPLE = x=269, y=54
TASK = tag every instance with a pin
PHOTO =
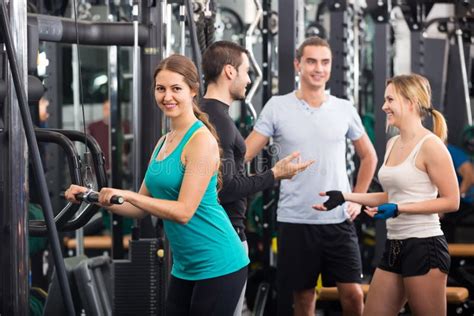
x=417, y=89
x=440, y=128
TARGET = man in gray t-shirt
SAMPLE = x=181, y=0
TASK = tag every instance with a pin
x=313, y=242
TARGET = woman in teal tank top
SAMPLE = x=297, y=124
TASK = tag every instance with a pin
x=180, y=186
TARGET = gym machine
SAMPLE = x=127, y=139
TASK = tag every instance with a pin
x=146, y=36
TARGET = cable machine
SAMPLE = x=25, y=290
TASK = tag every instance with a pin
x=14, y=291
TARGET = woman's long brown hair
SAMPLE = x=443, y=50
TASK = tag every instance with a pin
x=185, y=67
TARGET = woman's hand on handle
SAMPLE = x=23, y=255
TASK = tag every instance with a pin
x=71, y=193
x=110, y=196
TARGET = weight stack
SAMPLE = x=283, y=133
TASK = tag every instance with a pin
x=139, y=284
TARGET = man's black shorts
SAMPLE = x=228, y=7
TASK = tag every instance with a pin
x=416, y=256
x=306, y=250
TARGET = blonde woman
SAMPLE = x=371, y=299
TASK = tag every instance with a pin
x=419, y=182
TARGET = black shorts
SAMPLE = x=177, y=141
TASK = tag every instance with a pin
x=416, y=256
x=305, y=251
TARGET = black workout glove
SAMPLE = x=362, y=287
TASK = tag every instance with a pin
x=335, y=199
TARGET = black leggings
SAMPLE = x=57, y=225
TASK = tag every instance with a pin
x=216, y=296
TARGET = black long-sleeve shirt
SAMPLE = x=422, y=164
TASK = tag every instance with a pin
x=237, y=185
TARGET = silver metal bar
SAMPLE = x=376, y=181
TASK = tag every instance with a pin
x=136, y=83
x=464, y=75
x=76, y=103
x=76, y=95
x=164, y=26
x=253, y=62
x=168, y=30
x=182, y=28
x=300, y=22
x=113, y=96
x=17, y=270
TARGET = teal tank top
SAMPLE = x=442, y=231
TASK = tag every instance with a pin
x=207, y=246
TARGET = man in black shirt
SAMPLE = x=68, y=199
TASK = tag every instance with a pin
x=225, y=67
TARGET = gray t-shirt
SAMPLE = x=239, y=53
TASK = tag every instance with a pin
x=319, y=134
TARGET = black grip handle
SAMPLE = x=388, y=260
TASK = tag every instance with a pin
x=116, y=199
x=93, y=197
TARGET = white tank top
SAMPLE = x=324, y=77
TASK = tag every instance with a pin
x=405, y=183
